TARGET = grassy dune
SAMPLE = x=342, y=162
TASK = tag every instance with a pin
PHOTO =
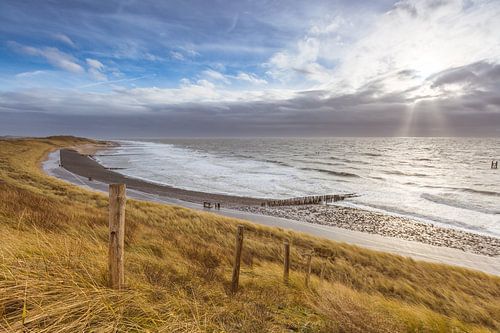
x=53, y=263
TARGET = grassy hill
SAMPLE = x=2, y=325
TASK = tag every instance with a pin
x=53, y=270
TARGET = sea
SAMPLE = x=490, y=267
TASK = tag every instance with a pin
x=444, y=181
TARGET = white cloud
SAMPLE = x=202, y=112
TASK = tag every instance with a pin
x=251, y=78
x=183, y=53
x=52, y=55
x=151, y=57
x=65, y=39
x=422, y=36
x=96, y=69
x=241, y=76
x=200, y=91
x=177, y=56
x=29, y=74
x=214, y=75
x=298, y=63
x=96, y=64
x=61, y=59
x=331, y=26
x=190, y=52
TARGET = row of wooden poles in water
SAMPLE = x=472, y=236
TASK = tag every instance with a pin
x=310, y=200
x=117, y=201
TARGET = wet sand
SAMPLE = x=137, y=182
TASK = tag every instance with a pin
x=359, y=220
x=84, y=165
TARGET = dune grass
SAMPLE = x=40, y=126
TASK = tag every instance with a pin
x=53, y=270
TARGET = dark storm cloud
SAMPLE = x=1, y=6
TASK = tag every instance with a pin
x=480, y=74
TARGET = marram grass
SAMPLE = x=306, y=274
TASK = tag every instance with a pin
x=53, y=266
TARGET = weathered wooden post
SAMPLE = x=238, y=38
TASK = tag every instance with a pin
x=237, y=259
x=117, y=199
x=308, y=269
x=286, y=262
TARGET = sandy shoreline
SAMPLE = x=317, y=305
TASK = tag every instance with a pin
x=335, y=216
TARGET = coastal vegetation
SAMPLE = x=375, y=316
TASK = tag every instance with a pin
x=53, y=269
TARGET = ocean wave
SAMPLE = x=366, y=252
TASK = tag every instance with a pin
x=122, y=154
x=346, y=160
x=401, y=173
x=467, y=190
x=489, y=193
x=457, y=204
x=318, y=162
x=276, y=162
x=334, y=173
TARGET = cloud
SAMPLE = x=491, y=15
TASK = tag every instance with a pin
x=183, y=53
x=199, y=107
x=96, y=69
x=301, y=62
x=422, y=36
x=151, y=57
x=112, y=82
x=406, y=67
x=65, y=39
x=251, y=78
x=30, y=74
x=331, y=26
x=309, y=112
x=214, y=75
x=479, y=75
x=96, y=64
x=52, y=55
x=155, y=111
x=177, y=56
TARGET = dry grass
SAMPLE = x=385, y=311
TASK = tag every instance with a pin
x=178, y=265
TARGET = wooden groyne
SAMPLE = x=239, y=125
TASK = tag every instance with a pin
x=309, y=200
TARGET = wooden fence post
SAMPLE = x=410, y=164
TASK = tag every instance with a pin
x=117, y=199
x=237, y=259
x=286, y=262
x=308, y=269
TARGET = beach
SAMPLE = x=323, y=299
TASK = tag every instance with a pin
x=358, y=220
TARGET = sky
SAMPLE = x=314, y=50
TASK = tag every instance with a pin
x=250, y=68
